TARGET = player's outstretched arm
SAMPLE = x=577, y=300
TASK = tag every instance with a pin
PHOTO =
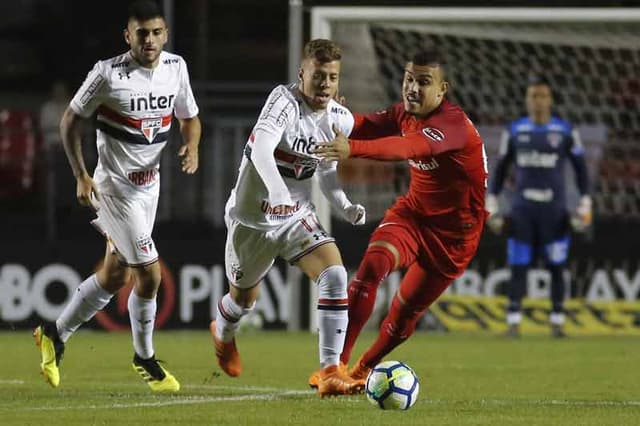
x=388, y=148
x=191, y=130
x=71, y=135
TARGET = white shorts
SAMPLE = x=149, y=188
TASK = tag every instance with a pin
x=250, y=253
x=127, y=224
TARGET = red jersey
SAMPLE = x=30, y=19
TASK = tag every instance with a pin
x=446, y=158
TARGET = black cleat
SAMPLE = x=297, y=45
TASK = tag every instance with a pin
x=513, y=332
x=557, y=332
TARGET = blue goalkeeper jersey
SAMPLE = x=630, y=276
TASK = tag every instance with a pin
x=539, y=153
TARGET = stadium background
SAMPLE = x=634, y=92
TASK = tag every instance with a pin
x=235, y=58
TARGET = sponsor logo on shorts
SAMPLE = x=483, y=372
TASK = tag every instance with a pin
x=143, y=177
x=433, y=134
x=144, y=244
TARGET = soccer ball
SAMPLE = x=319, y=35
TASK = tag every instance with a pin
x=392, y=385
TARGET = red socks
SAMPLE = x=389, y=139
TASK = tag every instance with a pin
x=376, y=264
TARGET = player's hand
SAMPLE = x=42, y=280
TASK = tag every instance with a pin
x=337, y=149
x=583, y=216
x=495, y=222
x=355, y=214
x=189, y=154
x=87, y=192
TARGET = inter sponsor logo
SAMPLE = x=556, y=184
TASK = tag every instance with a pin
x=143, y=177
x=150, y=128
x=150, y=102
x=304, y=145
x=433, y=134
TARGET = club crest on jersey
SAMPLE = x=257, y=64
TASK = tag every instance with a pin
x=304, y=167
x=151, y=127
x=554, y=139
x=433, y=134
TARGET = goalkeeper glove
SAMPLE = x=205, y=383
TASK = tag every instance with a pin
x=495, y=222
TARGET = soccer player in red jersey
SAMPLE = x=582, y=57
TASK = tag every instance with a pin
x=434, y=229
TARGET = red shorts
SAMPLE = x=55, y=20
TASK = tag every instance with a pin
x=444, y=245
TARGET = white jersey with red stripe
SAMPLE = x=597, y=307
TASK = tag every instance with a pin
x=135, y=107
x=301, y=128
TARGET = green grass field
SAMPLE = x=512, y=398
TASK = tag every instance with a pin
x=466, y=379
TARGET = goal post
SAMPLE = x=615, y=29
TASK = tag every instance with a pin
x=591, y=56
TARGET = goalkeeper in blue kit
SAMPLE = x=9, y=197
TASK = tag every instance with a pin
x=538, y=145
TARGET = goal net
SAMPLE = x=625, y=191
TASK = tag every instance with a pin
x=590, y=56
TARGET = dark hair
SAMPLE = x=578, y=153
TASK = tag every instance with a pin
x=537, y=80
x=143, y=10
x=428, y=56
x=322, y=50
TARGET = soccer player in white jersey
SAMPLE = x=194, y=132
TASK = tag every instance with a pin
x=269, y=212
x=135, y=95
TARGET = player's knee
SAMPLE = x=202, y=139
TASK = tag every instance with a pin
x=332, y=283
x=114, y=277
x=377, y=263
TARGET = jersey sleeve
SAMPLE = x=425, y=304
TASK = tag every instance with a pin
x=576, y=156
x=375, y=125
x=278, y=111
x=448, y=134
x=347, y=124
x=505, y=156
x=91, y=93
x=185, y=105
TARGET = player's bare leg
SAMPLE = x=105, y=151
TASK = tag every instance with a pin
x=233, y=306
x=324, y=266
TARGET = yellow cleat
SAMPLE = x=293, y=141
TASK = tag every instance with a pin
x=156, y=376
x=51, y=351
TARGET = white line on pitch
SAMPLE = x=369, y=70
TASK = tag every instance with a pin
x=181, y=401
x=11, y=382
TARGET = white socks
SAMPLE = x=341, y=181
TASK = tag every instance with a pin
x=514, y=318
x=228, y=314
x=87, y=300
x=142, y=314
x=332, y=313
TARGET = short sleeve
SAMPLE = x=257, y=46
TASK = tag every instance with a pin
x=185, y=106
x=92, y=92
